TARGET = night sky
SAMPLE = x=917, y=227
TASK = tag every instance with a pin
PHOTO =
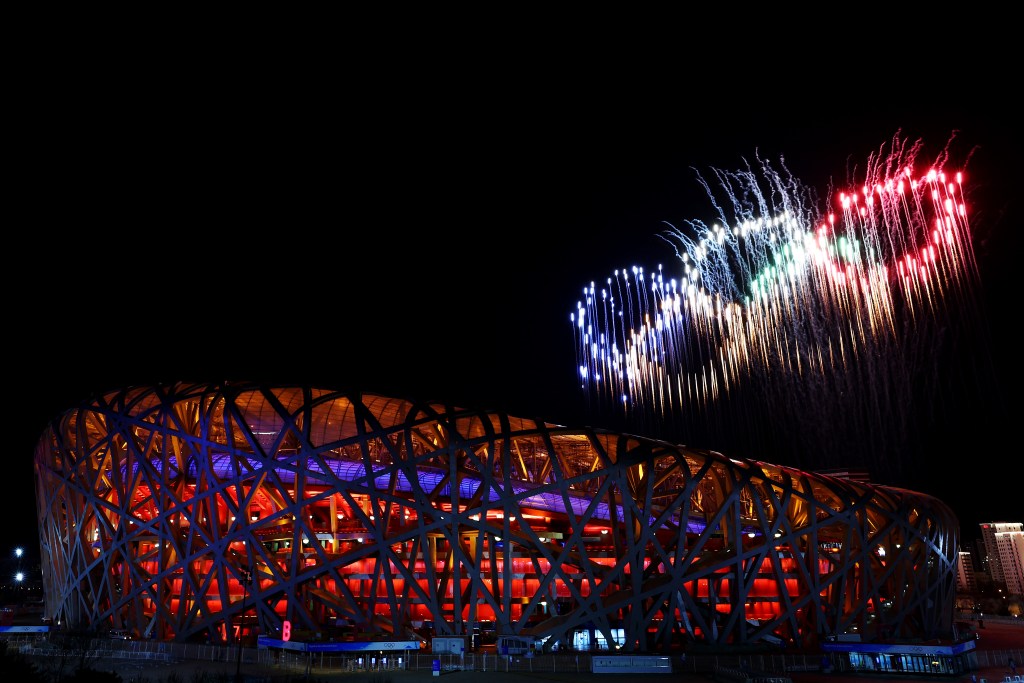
x=431, y=243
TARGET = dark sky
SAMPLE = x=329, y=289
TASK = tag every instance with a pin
x=429, y=237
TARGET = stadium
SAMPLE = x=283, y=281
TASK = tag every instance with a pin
x=201, y=512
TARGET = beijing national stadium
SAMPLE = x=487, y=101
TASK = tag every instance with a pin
x=198, y=511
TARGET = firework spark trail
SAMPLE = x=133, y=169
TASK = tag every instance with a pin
x=828, y=321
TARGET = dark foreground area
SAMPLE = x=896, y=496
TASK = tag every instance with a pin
x=999, y=644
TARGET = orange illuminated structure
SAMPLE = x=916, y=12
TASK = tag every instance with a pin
x=378, y=515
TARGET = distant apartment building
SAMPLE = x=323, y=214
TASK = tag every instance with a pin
x=1010, y=546
x=966, y=582
x=1004, y=545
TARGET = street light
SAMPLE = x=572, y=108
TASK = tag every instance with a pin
x=19, y=576
x=246, y=578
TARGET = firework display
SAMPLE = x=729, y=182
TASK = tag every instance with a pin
x=204, y=511
x=826, y=325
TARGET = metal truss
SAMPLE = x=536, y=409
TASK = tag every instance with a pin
x=383, y=515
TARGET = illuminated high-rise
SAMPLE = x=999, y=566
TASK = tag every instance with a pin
x=989, y=532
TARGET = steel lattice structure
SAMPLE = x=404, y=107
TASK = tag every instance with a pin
x=154, y=504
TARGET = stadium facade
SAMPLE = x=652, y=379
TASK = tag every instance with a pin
x=201, y=511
